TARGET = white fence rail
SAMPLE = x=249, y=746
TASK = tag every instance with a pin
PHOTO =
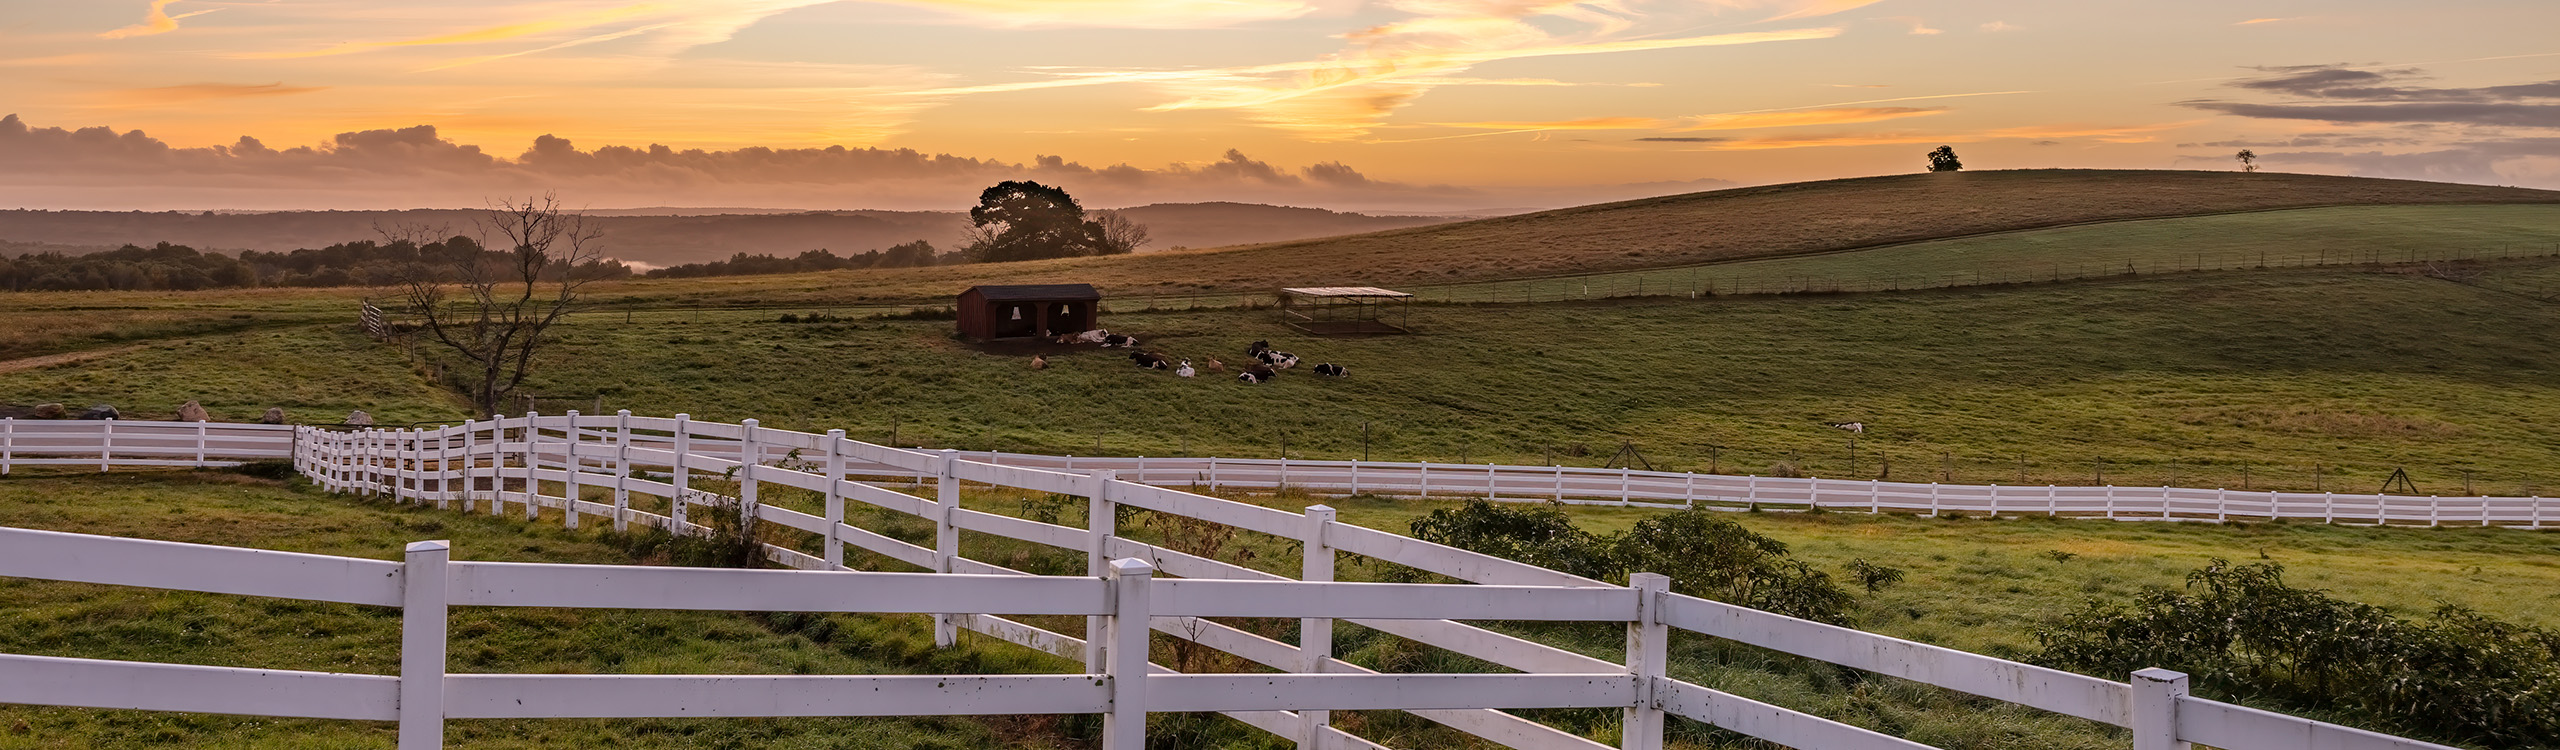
x=623, y=469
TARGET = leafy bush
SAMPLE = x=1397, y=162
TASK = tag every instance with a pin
x=1704, y=555
x=1873, y=577
x=1544, y=537
x=2240, y=632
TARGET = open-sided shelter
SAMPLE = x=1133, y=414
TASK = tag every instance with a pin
x=1330, y=310
x=1028, y=310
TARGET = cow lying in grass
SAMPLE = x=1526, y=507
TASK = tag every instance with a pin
x=1257, y=374
x=1332, y=370
x=1150, y=360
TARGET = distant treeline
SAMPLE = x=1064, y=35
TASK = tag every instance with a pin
x=909, y=255
x=167, y=267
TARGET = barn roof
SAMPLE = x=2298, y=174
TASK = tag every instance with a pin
x=1345, y=291
x=1037, y=292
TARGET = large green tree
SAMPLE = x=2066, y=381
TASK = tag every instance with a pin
x=1024, y=220
x=1944, y=160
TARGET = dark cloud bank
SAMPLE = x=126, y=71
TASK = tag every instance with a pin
x=2487, y=134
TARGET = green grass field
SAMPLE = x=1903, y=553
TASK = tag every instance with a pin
x=2258, y=378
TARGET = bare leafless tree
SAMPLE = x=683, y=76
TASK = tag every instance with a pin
x=1120, y=234
x=496, y=308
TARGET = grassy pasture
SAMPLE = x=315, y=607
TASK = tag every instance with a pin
x=2259, y=239
x=2183, y=379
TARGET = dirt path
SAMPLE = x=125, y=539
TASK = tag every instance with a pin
x=49, y=360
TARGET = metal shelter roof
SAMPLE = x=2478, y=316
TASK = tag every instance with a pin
x=1037, y=292
x=1346, y=291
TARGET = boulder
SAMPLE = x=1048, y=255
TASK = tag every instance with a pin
x=48, y=411
x=359, y=418
x=193, y=412
x=100, y=411
x=274, y=415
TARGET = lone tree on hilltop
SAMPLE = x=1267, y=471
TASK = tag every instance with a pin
x=1944, y=160
x=2248, y=160
x=1024, y=220
x=540, y=257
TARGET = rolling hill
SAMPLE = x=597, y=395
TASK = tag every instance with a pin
x=1669, y=231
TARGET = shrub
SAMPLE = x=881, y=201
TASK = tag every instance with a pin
x=2240, y=632
x=1873, y=577
x=274, y=468
x=1705, y=555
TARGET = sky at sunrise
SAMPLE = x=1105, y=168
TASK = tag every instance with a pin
x=1377, y=105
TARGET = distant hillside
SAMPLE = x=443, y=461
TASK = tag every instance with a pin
x=661, y=239
x=1203, y=225
x=1677, y=230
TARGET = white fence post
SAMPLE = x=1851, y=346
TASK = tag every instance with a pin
x=622, y=470
x=750, y=463
x=569, y=462
x=199, y=445
x=422, y=645
x=8, y=444
x=1101, y=522
x=532, y=464
x=1125, y=727
x=2155, y=709
x=946, y=544
x=106, y=444
x=1315, y=634
x=835, y=498
x=682, y=475
x=1648, y=659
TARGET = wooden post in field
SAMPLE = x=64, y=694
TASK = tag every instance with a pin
x=571, y=489
x=1101, y=522
x=1648, y=659
x=1125, y=727
x=750, y=463
x=946, y=547
x=2155, y=709
x=422, y=645
x=622, y=470
x=835, y=499
x=1315, y=634
x=681, y=475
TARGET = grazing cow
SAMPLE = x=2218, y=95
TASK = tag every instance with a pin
x=1217, y=366
x=1332, y=370
x=1039, y=362
x=1278, y=359
x=1257, y=374
x=1856, y=427
x=1185, y=370
x=1150, y=360
x=1125, y=342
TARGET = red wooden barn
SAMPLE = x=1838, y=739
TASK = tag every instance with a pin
x=1027, y=310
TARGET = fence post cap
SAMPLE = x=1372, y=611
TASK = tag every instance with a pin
x=2156, y=674
x=1128, y=567
x=835, y=434
x=622, y=412
x=750, y=421
x=1649, y=581
x=438, y=545
x=681, y=416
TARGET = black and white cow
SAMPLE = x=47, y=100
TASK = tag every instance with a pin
x=1150, y=360
x=1277, y=359
x=1332, y=370
x=1257, y=374
x=1113, y=339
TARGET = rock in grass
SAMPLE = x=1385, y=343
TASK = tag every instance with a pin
x=101, y=411
x=274, y=415
x=48, y=411
x=359, y=418
x=193, y=412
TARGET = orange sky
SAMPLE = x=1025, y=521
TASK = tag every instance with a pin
x=1356, y=104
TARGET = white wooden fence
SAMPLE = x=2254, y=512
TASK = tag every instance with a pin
x=622, y=469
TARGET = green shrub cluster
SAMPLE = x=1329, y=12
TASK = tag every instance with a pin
x=2241, y=633
x=1705, y=556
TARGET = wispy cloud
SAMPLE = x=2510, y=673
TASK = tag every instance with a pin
x=1917, y=26
x=2256, y=21
x=1799, y=118
x=155, y=21
x=196, y=92
x=1995, y=27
